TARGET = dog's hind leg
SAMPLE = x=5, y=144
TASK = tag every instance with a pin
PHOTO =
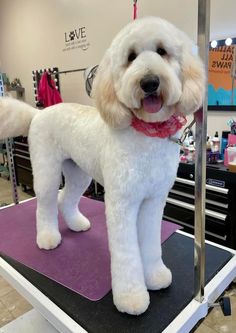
x=47, y=176
x=76, y=182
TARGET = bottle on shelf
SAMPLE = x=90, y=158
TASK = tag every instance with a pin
x=215, y=147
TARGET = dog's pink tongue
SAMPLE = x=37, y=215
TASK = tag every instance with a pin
x=152, y=104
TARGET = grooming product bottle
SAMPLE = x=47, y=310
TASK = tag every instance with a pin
x=215, y=143
x=232, y=158
x=208, y=144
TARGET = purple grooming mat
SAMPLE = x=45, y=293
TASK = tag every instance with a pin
x=89, y=275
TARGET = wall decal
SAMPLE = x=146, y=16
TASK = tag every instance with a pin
x=222, y=74
x=76, y=39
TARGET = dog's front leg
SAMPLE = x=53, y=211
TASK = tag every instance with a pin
x=157, y=275
x=130, y=294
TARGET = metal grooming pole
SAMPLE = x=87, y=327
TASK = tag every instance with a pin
x=12, y=172
x=200, y=163
x=10, y=159
x=233, y=75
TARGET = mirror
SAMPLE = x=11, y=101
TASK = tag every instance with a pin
x=222, y=75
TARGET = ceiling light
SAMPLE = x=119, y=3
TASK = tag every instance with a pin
x=213, y=44
x=228, y=41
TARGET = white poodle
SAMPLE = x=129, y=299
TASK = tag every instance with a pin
x=147, y=81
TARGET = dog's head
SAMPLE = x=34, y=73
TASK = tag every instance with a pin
x=150, y=71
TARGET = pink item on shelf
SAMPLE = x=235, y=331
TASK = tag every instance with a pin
x=231, y=141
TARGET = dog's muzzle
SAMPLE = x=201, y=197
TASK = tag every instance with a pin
x=152, y=101
x=150, y=84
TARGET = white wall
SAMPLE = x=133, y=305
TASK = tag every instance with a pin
x=223, y=23
x=32, y=36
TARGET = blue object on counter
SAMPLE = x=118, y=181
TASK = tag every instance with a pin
x=224, y=143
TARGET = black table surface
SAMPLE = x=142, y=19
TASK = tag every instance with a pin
x=102, y=316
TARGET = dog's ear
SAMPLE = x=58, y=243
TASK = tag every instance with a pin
x=113, y=112
x=193, y=82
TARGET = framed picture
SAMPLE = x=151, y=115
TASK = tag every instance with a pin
x=222, y=77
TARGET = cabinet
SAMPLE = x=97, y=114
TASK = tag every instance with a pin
x=22, y=163
x=220, y=203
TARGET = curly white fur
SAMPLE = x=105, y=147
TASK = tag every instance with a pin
x=15, y=117
x=137, y=171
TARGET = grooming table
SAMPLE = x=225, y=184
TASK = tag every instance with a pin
x=171, y=310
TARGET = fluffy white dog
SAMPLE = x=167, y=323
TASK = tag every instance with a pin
x=147, y=81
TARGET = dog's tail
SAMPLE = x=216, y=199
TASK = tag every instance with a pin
x=15, y=117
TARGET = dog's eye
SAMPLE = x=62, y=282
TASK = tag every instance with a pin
x=132, y=56
x=161, y=51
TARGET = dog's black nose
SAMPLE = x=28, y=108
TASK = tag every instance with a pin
x=150, y=83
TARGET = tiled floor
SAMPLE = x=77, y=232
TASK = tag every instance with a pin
x=6, y=192
x=216, y=321
x=12, y=305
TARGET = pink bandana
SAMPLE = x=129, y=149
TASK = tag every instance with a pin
x=159, y=129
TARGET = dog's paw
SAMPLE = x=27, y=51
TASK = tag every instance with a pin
x=48, y=239
x=78, y=223
x=132, y=303
x=158, y=278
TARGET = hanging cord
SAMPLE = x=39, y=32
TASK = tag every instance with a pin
x=135, y=10
x=186, y=131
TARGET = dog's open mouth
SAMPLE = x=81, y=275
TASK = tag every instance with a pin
x=152, y=103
